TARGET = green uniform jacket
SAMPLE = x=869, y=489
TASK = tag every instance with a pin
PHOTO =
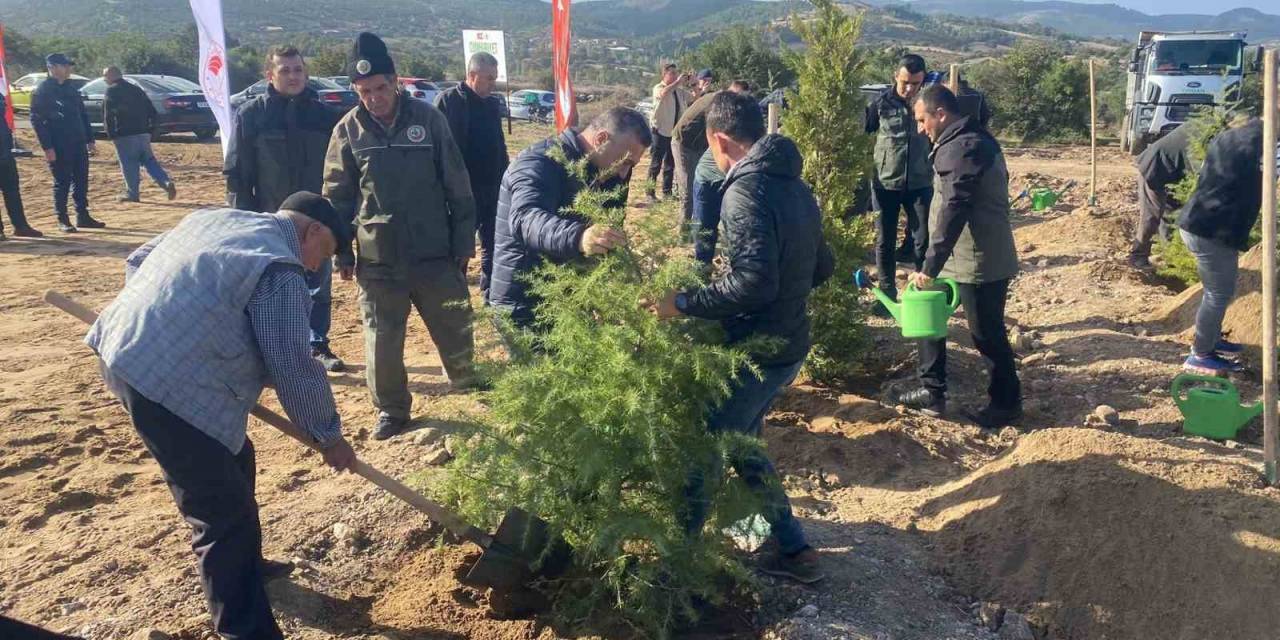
x=406, y=189
x=901, y=152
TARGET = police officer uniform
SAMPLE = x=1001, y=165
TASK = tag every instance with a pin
x=405, y=187
x=62, y=126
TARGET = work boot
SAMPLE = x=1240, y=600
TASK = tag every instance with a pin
x=803, y=567
x=64, y=224
x=86, y=221
x=274, y=569
x=990, y=417
x=1140, y=262
x=124, y=197
x=171, y=189
x=905, y=255
x=389, y=426
x=27, y=232
x=925, y=401
x=326, y=357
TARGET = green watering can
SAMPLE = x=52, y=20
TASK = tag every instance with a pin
x=1213, y=411
x=921, y=314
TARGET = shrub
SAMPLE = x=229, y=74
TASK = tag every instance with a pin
x=1036, y=93
x=824, y=117
x=600, y=436
x=744, y=53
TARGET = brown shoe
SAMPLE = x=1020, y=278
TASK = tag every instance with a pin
x=171, y=189
x=27, y=232
x=803, y=567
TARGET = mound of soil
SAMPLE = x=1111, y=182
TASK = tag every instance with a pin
x=1102, y=535
x=1243, y=320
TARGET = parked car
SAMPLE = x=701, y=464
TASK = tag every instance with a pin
x=645, y=107
x=180, y=104
x=521, y=111
x=503, y=109
x=332, y=95
x=420, y=89
x=341, y=81
x=20, y=91
x=445, y=85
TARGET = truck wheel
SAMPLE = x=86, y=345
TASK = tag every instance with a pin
x=205, y=134
x=1138, y=145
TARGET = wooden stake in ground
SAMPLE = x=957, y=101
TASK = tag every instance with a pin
x=775, y=110
x=1269, y=398
x=1093, y=138
x=953, y=77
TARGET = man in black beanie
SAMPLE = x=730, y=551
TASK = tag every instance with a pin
x=394, y=170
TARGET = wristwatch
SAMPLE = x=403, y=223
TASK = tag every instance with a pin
x=682, y=302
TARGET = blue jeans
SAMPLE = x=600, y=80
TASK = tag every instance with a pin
x=134, y=152
x=1218, y=266
x=706, y=220
x=743, y=412
x=321, y=285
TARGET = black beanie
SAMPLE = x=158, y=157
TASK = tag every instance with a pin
x=317, y=208
x=369, y=57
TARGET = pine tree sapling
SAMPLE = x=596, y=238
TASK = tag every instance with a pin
x=599, y=430
x=824, y=117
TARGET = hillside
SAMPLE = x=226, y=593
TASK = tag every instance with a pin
x=1103, y=20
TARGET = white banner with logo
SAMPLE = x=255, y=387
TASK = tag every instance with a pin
x=491, y=42
x=214, y=69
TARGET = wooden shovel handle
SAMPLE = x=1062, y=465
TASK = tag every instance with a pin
x=456, y=525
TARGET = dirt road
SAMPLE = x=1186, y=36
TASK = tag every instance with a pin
x=1125, y=529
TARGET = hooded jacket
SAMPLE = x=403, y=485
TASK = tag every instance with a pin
x=971, y=240
x=278, y=149
x=1228, y=195
x=532, y=224
x=772, y=240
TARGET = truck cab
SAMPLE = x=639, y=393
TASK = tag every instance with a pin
x=1173, y=74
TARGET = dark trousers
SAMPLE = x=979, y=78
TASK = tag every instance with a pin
x=916, y=204
x=661, y=159
x=984, y=311
x=12, y=193
x=1153, y=204
x=214, y=490
x=486, y=219
x=71, y=174
x=19, y=630
x=706, y=220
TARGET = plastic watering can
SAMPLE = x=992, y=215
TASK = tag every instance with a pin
x=1213, y=411
x=921, y=314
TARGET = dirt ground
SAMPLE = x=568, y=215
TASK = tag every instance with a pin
x=1080, y=523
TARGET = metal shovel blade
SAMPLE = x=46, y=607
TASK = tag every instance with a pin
x=522, y=548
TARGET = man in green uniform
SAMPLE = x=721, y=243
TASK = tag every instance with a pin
x=395, y=171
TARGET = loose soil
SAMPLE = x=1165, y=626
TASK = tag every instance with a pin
x=927, y=527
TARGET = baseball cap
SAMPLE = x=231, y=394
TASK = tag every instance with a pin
x=318, y=208
x=705, y=74
x=57, y=58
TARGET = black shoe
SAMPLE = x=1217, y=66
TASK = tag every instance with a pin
x=990, y=417
x=924, y=401
x=388, y=427
x=905, y=255
x=802, y=567
x=171, y=189
x=87, y=222
x=64, y=225
x=27, y=232
x=274, y=569
x=1139, y=262
x=331, y=362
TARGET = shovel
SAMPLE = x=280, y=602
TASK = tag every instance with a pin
x=521, y=549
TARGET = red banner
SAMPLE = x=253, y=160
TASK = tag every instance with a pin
x=4, y=83
x=566, y=105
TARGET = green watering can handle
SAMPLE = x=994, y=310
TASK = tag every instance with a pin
x=955, y=292
x=1187, y=378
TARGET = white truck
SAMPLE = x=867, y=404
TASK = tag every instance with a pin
x=1171, y=74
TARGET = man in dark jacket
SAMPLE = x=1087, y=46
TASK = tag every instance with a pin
x=531, y=224
x=1162, y=165
x=281, y=138
x=394, y=170
x=10, y=185
x=128, y=117
x=971, y=242
x=703, y=201
x=62, y=126
x=903, y=178
x=476, y=123
x=1215, y=227
x=773, y=244
x=688, y=138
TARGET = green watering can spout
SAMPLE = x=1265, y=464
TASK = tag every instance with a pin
x=1211, y=408
x=894, y=308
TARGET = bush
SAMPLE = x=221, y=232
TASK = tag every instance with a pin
x=824, y=117
x=598, y=430
x=1036, y=93
x=744, y=53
